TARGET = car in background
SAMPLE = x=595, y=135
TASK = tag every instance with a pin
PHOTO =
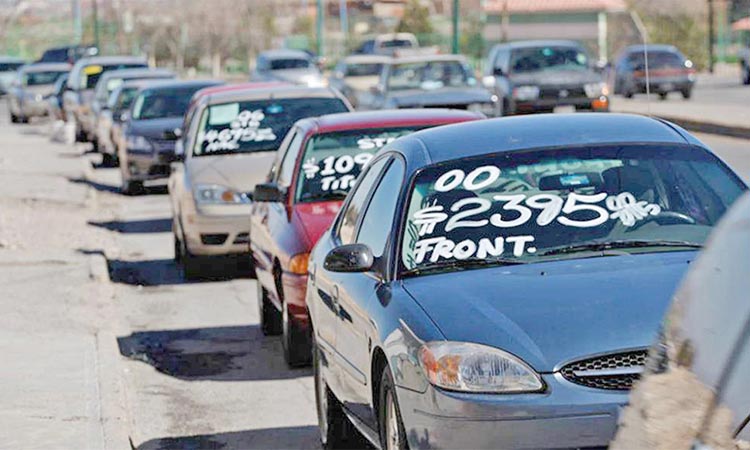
x=150, y=131
x=694, y=393
x=112, y=115
x=355, y=75
x=80, y=88
x=317, y=168
x=387, y=44
x=430, y=81
x=668, y=71
x=54, y=100
x=229, y=144
x=290, y=66
x=9, y=65
x=543, y=77
x=496, y=284
x=104, y=87
x=68, y=53
x=30, y=90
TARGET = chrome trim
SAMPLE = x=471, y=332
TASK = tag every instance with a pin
x=633, y=370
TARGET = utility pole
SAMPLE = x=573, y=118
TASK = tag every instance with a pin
x=455, y=46
x=319, y=27
x=711, y=36
x=95, y=11
x=343, y=16
x=77, y=27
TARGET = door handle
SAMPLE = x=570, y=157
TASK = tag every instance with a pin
x=335, y=297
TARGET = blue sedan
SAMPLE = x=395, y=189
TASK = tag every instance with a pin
x=496, y=284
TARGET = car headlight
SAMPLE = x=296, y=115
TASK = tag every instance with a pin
x=138, y=144
x=216, y=194
x=462, y=366
x=594, y=90
x=524, y=93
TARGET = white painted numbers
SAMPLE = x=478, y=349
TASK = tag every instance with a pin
x=335, y=171
x=245, y=128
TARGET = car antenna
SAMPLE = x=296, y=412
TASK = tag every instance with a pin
x=644, y=37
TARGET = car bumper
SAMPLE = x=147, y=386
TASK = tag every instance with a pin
x=149, y=166
x=566, y=416
x=217, y=230
x=33, y=108
x=595, y=104
x=664, y=84
x=295, y=288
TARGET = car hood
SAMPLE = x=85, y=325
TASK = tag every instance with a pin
x=442, y=96
x=240, y=172
x=296, y=76
x=154, y=128
x=556, y=78
x=43, y=90
x=314, y=218
x=551, y=313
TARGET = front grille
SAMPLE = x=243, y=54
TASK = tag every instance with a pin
x=214, y=239
x=561, y=93
x=617, y=371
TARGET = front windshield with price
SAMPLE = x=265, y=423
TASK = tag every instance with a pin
x=520, y=207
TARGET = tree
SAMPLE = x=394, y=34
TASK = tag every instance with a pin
x=416, y=19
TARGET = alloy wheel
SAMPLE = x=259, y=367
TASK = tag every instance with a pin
x=321, y=397
x=393, y=438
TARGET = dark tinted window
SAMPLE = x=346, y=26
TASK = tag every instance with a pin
x=656, y=60
x=125, y=99
x=396, y=43
x=357, y=202
x=289, y=63
x=523, y=204
x=157, y=104
x=56, y=55
x=41, y=78
x=377, y=223
x=257, y=125
x=10, y=67
x=534, y=59
x=364, y=70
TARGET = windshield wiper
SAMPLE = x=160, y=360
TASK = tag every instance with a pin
x=623, y=244
x=471, y=263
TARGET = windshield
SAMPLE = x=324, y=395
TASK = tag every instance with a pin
x=332, y=161
x=90, y=74
x=256, y=126
x=535, y=59
x=290, y=63
x=428, y=75
x=364, y=70
x=523, y=205
x=41, y=78
x=161, y=103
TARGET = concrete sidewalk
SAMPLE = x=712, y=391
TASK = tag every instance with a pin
x=720, y=105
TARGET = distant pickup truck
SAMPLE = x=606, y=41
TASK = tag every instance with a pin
x=744, y=57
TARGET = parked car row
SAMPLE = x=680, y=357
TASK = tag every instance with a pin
x=454, y=281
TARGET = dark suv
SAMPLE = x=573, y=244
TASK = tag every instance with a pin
x=541, y=76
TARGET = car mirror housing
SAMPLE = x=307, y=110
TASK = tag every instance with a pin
x=350, y=258
x=124, y=117
x=498, y=72
x=269, y=192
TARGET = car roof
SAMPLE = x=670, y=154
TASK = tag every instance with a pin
x=105, y=60
x=47, y=67
x=284, y=53
x=239, y=87
x=425, y=58
x=365, y=59
x=136, y=72
x=535, y=132
x=157, y=85
x=11, y=59
x=652, y=47
x=540, y=43
x=275, y=90
x=385, y=119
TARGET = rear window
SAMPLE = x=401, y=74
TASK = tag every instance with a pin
x=656, y=60
x=332, y=161
x=257, y=125
x=289, y=63
x=521, y=205
x=162, y=103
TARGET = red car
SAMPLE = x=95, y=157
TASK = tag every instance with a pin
x=315, y=167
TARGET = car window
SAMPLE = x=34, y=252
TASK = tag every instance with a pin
x=286, y=170
x=364, y=70
x=377, y=222
x=357, y=201
x=162, y=103
x=290, y=63
x=257, y=125
x=41, y=78
x=333, y=161
x=656, y=60
x=535, y=59
x=429, y=75
x=528, y=205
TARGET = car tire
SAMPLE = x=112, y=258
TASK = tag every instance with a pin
x=80, y=135
x=663, y=95
x=746, y=74
x=336, y=431
x=390, y=424
x=294, y=340
x=627, y=94
x=13, y=118
x=270, y=318
x=177, y=246
x=190, y=264
x=686, y=93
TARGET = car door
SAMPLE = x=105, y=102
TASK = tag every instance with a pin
x=358, y=292
x=269, y=217
x=327, y=284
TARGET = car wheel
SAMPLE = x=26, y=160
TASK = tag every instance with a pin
x=746, y=74
x=392, y=434
x=336, y=431
x=627, y=94
x=191, y=267
x=23, y=119
x=177, y=246
x=686, y=93
x=13, y=118
x=270, y=319
x=663, y=95
x=294, y=340
x=80, y=135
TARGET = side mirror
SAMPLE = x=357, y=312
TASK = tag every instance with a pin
x=124, y=117
x=173, y=134
x=269, y=192
x=349, y=258
x=498, y=72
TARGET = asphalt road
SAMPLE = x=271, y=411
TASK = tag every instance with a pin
x=166, y=363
